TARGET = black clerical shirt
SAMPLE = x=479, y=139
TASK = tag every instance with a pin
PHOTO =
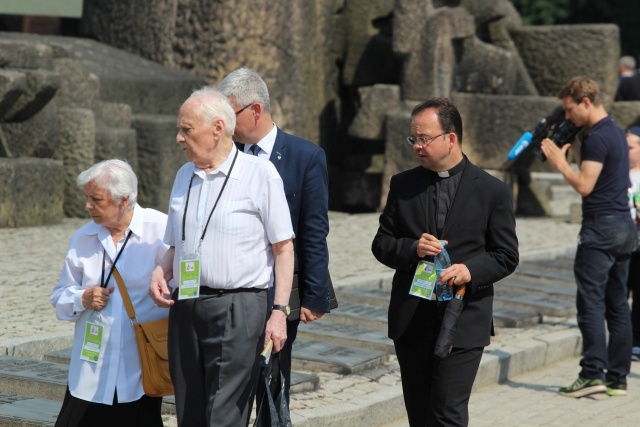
x=445, y=185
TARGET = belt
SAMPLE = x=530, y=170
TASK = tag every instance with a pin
x=206, y=290
x=605, y=216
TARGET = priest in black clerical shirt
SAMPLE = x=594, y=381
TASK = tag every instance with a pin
x=447, y=199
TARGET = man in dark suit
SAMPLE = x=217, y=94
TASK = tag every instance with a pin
x=629, y=80
x=303, y=168
x=446, y=198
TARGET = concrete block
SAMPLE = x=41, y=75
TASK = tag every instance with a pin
x=117, y=143
x=561, y=344
x=376, y=102
x=541, y=46
x=490, y=369
x=524, y=357
x=38, y=136
x=76, y=150
x=29, y=54
x=79, y=87
x=25, y=204
x=159, y=158
x=113, y=115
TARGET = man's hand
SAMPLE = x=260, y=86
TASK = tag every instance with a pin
x=159, y=290
x=96, y=297
x=307, y=315
x=556, y=156
x=428, y=245
x=276, y=330
x=458, y=272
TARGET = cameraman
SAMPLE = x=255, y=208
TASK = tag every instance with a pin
x=607, y=238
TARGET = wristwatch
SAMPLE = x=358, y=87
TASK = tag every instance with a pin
x=283, y=308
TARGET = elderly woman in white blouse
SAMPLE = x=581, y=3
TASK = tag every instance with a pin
x=104, y=384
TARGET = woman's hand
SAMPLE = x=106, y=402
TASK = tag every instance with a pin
x=96, y=297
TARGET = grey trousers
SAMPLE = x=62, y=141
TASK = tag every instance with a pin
x=214, y=343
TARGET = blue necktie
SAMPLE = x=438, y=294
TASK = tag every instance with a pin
x=254, y=149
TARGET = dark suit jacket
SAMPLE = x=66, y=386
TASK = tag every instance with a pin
x=302, y=165
x=480, y=229
x=628, y=89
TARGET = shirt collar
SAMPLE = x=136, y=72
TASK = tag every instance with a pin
x=223, y=168
x=136, y=224
x=454, y=170
x=267, y=143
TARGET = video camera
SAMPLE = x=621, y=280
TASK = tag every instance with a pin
x=554, y=126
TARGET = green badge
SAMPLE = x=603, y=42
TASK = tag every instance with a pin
x=189, y=278
x=424, y=280
x=92, y=342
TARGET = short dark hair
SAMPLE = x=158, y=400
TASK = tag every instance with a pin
x=448, y=114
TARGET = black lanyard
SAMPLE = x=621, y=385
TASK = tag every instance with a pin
x=186, y=203
x=103, y=283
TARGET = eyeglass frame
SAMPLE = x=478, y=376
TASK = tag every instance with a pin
x=243, y=108
x=426, y=140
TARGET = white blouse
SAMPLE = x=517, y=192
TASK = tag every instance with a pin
x=119, y=363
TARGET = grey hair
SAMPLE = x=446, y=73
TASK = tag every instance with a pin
x=212, y=105
x=628, y=62
x=116, y=177
x=246, y=86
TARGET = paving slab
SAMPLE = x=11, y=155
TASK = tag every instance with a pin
x=368, y=316
x=543, y=273
x=23, y=411
x=532, y=286
x=548, y=305
x=507, y=317
x=346, y=335
x=317, y=356
x=34, y=378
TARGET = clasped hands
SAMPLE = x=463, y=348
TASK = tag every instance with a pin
x=96, y=297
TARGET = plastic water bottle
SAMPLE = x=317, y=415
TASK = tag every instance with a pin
x=442, y=262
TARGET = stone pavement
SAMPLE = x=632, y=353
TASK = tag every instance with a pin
x=530, y=400
x=31, y=259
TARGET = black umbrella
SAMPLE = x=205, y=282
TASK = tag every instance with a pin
x=272, y=407
x=449, y=320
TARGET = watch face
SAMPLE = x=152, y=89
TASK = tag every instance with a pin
x=284, y=308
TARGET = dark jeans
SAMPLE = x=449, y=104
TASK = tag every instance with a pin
x=634, y=288
x=601, y=269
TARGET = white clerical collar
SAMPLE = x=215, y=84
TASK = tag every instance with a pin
x=444, y=174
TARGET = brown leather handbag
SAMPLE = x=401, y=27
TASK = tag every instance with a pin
x=152, y=347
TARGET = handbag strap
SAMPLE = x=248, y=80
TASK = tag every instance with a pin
x=125, y=296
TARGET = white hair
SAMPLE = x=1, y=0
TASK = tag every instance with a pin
x=212, y=105
x=116, y=177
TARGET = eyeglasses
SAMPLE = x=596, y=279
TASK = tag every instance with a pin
x=243, y=108
x=423, y=140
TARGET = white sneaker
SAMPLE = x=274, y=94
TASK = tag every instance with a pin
x=635, y=354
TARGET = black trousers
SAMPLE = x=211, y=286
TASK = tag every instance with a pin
x=436, y=392
x=144, y=412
